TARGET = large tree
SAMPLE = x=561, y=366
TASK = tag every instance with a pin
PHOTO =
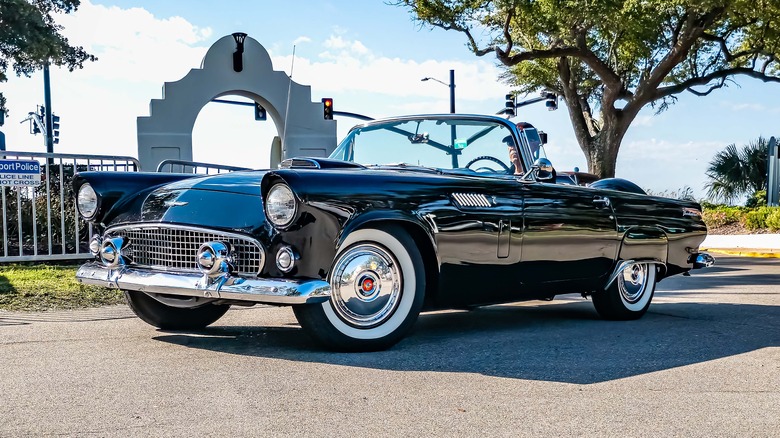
x=29, y=38
x=608, y=59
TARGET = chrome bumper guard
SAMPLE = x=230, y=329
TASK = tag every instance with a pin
x=702, y=260
x=257, y=290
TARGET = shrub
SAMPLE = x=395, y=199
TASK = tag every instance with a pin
x=720, y=216
x=757, y=200
x=773, y=219
x=756, y=219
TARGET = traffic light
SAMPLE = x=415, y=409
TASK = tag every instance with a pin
x=55, y=126
x=510, y=105
x=259, y=112
x=327, y=108
x=552, y=102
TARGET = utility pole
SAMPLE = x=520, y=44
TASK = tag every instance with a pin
x=48, y=122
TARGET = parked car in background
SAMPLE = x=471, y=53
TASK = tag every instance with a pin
x=408, y=214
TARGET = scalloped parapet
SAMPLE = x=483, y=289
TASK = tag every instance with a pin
x=167, y=132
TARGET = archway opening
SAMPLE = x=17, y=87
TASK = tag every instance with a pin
x=228, y=134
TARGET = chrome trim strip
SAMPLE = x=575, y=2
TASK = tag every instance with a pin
x=623, y=265
x=257, y=290
x=471, y=200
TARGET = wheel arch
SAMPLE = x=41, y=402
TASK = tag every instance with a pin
x=642, y=243
x=420, y=233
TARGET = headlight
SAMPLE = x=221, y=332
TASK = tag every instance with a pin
x=280, y=205
x=87, y=201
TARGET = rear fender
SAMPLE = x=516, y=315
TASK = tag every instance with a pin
x=645, y=243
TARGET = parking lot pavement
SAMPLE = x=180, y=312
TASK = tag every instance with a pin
x=705, y=361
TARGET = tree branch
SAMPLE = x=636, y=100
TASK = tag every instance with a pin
x=704, y=80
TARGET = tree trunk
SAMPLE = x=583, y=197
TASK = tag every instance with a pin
x=601, y=149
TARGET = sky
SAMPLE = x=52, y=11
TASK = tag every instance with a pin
x=369, y=57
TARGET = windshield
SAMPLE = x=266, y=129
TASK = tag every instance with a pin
x=535, y=143
x=467, y=144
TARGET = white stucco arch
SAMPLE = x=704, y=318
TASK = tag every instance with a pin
x=167, y=132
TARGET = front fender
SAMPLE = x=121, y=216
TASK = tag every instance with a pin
x=379, y=217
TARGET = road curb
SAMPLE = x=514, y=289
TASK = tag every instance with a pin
x=769, y=254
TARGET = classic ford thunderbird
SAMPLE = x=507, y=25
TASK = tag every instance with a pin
x=408, y=214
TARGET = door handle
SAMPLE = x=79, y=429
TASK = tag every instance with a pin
x=601, y=202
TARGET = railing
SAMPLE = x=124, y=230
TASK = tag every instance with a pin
x=41, y=223
x=182, y=166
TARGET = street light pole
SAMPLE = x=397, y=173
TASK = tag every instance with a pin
x=451, y=85
x=452, y=91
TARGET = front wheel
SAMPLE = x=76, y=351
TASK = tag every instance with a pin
x=165, y=317
x=629, y=296
x=377, y=290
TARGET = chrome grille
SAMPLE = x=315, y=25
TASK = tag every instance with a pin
x=172, y=247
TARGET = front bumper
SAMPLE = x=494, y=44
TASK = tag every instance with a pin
x=256, y=290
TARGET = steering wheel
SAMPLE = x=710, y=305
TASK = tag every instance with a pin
x=488, y=158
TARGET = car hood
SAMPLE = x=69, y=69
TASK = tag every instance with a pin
x=243, y=183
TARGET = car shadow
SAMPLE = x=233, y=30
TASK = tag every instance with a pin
x=560, y=342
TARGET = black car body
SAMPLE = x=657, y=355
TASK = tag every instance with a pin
x=359, y=247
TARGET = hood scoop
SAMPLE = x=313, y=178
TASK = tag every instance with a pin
x=317, y=163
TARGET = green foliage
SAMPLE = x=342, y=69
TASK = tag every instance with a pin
x=599, y=52
x=29, y=38
x=722, y=215
x=734, y=173
x=49, y=287
x=773, y=219
x=756, y=219
x=758, y=199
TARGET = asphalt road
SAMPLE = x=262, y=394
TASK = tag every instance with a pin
x=705, y=361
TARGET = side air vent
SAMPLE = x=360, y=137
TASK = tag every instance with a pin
x=471, y=200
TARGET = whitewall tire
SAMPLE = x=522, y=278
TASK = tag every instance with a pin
x=629, y=296
x=377, y=290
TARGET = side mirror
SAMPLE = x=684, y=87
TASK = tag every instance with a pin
x=543, y=137
x=544, y=171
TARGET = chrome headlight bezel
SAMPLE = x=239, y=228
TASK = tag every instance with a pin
x=87, y=201
x=281, y=207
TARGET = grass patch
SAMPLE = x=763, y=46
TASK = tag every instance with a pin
x=42, y=287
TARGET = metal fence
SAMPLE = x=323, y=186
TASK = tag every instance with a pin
x=41, y=223
x=182, y=166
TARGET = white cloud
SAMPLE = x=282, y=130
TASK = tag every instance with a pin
x=301, y=40
x=138, y=52
x=662, y=165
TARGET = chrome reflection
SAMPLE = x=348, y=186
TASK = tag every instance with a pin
x=633, y=282
x=365, y=286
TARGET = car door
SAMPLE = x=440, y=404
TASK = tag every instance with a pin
x=569, y=233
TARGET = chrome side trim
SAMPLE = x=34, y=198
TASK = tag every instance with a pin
x=471, y=200
x=623, y=265
x=256, y=290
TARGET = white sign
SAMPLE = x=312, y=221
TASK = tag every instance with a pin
x=20, y=173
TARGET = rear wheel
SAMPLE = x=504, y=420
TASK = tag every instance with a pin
x=629, y=296
x=377, y=289
x=166, y=317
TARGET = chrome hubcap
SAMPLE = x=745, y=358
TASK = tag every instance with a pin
x=632, y=282
x=365, y=286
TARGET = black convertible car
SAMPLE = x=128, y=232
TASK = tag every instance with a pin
x=408, y=214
